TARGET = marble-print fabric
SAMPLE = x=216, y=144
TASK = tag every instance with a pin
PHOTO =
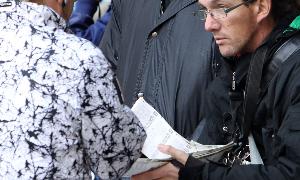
x=60, y=114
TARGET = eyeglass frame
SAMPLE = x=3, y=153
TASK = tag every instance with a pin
x=225, y=10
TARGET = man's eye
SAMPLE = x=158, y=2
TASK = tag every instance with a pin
x=222, y=5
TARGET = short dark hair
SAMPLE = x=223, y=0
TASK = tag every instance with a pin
x=283, y=8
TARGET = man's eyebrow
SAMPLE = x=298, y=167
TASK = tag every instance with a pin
x=213, y=3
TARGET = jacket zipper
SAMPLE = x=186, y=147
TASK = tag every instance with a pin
x=233, y=84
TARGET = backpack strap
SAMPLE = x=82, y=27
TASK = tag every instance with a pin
x=287, y=49
x=281, y=55
x=252, y=89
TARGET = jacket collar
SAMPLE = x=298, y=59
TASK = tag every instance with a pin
x=174, y=7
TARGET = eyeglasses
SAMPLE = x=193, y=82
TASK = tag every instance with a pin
x=219, y=13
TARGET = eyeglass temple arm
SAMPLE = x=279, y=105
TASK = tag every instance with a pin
x=227, y=10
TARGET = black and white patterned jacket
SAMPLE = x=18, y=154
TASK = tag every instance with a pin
x=60, y=114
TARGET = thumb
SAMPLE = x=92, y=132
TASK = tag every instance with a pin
x=179, y=155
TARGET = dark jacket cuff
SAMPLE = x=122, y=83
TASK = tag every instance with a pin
x=193, y=162
x=192, y=169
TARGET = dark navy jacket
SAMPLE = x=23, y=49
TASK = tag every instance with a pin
x=167, y=57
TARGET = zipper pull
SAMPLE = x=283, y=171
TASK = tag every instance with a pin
x=233, y=85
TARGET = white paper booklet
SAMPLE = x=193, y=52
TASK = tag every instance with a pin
x=160, y=132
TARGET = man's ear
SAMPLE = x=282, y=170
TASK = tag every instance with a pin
x=263, y=9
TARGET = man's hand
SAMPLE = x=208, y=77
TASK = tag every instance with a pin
x=179, y=155
x=166, y=172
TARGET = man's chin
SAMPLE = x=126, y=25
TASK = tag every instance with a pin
x=227, y=52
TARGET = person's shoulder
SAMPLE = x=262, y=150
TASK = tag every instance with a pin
x=293, y=60
x=81, y=45
x=125, y=4
x=289, y=52
x=287, y=58
x=82, y=50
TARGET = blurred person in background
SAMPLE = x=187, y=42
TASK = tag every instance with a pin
x=82, y=20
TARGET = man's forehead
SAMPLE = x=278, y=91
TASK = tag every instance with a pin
x=215, y=2
x=211, y=1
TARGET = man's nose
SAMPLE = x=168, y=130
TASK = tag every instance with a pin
x=211, y=24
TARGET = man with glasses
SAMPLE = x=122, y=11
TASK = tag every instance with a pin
x=61, y=116
x=255, y=100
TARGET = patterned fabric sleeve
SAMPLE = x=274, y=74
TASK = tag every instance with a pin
x=112, y=135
